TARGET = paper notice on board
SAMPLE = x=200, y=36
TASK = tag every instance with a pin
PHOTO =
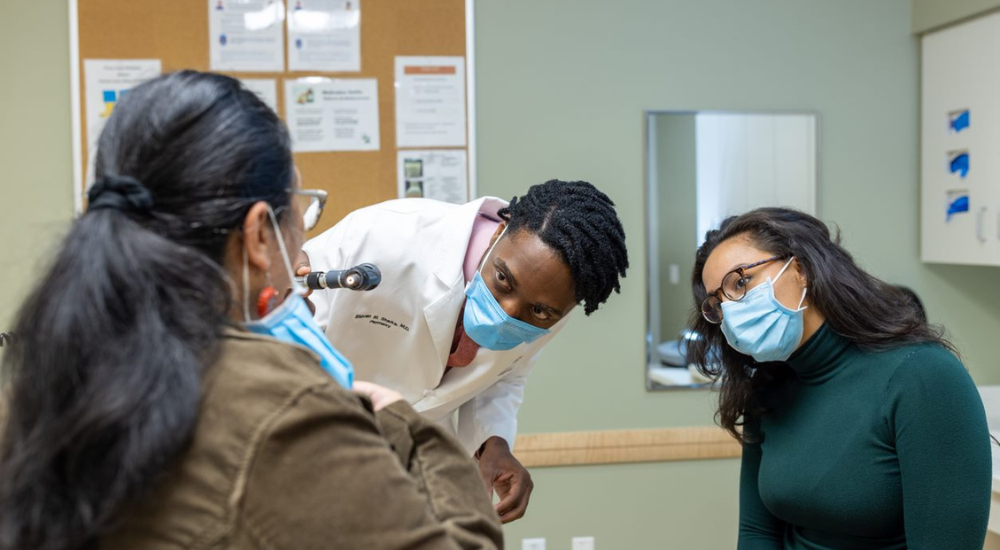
x=438, y=174
x=430, y=102
x=332, y=114
x=324, y=35
x=106, y=81
x=246, y=35
x=264, y=88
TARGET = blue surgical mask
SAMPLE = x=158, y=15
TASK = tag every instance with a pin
x=760, y=326
x=293, y=323
x=487, y=323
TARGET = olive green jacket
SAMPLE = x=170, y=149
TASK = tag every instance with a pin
x=282, y=458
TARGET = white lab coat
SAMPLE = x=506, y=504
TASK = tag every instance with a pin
x=399, y=335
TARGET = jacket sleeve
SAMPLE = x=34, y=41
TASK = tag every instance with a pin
x=323, y=476
x=494, y=411
x=759, y=528
x=936, y=417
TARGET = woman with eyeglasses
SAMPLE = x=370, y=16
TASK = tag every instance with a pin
x=860, y=426
x=166, y=392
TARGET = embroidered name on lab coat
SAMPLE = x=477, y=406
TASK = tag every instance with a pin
x=381, y=321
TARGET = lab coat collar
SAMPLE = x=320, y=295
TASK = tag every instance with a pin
x=451, y=249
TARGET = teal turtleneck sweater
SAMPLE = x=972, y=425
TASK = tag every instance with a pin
x=868, y=450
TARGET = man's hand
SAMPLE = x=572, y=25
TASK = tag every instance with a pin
x=302, y=264
x=302, y=268
x=504, y=474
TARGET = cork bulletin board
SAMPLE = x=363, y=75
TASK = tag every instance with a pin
x=176, y=32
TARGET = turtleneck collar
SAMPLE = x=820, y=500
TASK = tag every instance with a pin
x=821, y=357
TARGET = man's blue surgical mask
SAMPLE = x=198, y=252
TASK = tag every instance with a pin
x=760, y=326
x=293, y=323
x=487, y=323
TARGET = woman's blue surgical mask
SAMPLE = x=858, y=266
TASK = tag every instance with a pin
x=293, y=323
x=487, y=323
x=760, y=326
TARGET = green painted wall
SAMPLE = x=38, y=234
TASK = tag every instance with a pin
x=931, y=14
x=659, y=506
x=36, y=191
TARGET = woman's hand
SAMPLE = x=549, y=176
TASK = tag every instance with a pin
x=381, y=397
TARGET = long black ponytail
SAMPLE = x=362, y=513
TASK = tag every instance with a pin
x=104, y=381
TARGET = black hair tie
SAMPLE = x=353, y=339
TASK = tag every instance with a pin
x=123, y=193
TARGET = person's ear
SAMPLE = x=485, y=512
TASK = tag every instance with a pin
x=257, y=237
x=497, y=233
x=800, y=273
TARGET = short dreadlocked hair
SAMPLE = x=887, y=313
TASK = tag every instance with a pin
x=580, y=223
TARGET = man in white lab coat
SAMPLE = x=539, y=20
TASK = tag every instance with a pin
x=470, y=295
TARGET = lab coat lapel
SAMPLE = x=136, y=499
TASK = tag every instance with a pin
x=461, y=384
x=441, y=316
x=487, y=365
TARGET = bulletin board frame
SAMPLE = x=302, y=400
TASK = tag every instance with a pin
x=388, y=140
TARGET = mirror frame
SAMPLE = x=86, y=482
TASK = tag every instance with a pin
x=650, y=196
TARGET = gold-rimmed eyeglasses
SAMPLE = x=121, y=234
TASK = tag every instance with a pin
x=734, y=288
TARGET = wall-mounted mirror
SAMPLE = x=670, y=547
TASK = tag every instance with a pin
x=702, y=167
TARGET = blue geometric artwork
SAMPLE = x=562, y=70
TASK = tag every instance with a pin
x=958, y=163
x=957, y=204
x=958, y=120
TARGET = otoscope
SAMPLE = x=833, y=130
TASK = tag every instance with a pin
x=359, y=277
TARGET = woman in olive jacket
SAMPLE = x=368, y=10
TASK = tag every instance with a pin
x=163, y=394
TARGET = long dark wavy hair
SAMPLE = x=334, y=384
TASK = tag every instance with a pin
x=104, y=381
x=871, y=313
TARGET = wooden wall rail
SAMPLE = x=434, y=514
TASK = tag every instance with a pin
x=624, y=446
